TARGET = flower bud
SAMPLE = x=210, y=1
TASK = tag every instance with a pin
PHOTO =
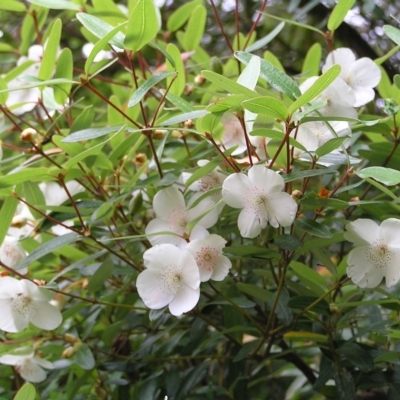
x=68, y=352
x=297, y=195
x=199, y=79
x=28, y=135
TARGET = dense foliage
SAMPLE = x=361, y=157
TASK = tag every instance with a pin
x=185, y=213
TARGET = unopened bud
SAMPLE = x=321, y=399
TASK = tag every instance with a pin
x=40, y=282
x=70, y=338
x=159, y=134
x=140, y=160
x=199, y=79
x=28, y=135
x=297, y=195
x=188, y=124
x=176, y=134
x=68, y=352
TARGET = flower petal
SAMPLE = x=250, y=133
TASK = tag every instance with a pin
x=166, y=201
x=362, y=232
x=265, y=179
x=342, y=56
x=160, y=225
x=161, y=255
x=249, y=224
x=364, y=73
x=361, y=271
x=206, y=204
x=30, y=371
x=9, y=287
x=11, y=321
x=222, y=268
x=46, y=317
x=234, y=188
x=185, y=300
x=190, y=272
x=281, y=208
x=389, y=230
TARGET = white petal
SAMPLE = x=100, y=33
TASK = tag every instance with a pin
x=185, y=300
x=363, y=95
x=362, y=232
x=166, y=201
x=43, y=363
x=9, y=359
x=148, y=286
x=190, y=272
x=234, y=134
x=364, y=73
x=265, y=179
x=234, y=189
x=215, y=241
x=282, y=209
x=159, y=225
x=390, y=232
x=32, y=290
x=222, y=268
x=198, y=232
x=206, y=204
x=11, y=321
x=47, y=317
x=9, y=287
x=31, y=372
x=249, y=224
x=361, y=271
x=161, y=255
x=393, y=269
x=342, y=56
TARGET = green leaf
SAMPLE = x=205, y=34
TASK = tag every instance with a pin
x=254, y=291
x=99, y=28
x=287, y=242
x=249, y=251
x=47, y=248
x=330, y=145
x=266, y=39
x=100, y=276
x=56, y=4
x=178, y=68
x=267, y=106
x=12, y=5
x=316, y=88
x=387, y=176
x=294, y=176
x=275, y=134
x=311, y=64
x=143, y=24
x=27, y=392
x=33, y=195
x=91, y=133
x=39, y=83
x=195, y=28
x=184, y=117
x=27, y=174
x=3, y=91
x=305, y=336
x=64, y=70
x=320, y=202
x=312, y=227
x=325, y=260
x=147, y=85
x=6, y=215
x=276, y=78
x=84, y=357
x=177, y=101
x=360, y=358
x=339, y=13
x=304, y=271
x=227, y=84
x=179, y=17
x=233, y=101
x=107, y=38
x=209, y=123
x=393, y=33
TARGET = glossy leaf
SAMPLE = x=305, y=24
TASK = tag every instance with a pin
x=179, y=17
x=84, y=357
x=339, y=13
x=267, y=106
x=387, y=176
x=6, y=215
x=177, y=81
x=56, y=4
x=312, y=227
x=26, y=174
x=311, y=64
x=100, y=276
x=393, y=33
x=195, y=28
x=64, y=70
x=266, y=39
x=26, y=392
x=12, y=5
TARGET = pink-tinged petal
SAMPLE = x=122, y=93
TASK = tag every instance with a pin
x=265, y=179
x=150, y=291
x=30, y=371
x=393, y=268
x=362, y=232
x=282, y=209
x=215, y=241
x=159, y=225
x=235, y=188
x=166, y=201
x=205, y=274
x=161, y=255
x=184, y=301
x=190, y=273
x=46, y=316
x=342, y=56
x=234, y=134
x=390, y=232
x=10, y=320
x=360, y=269
x=364, y=73
x=222, y=268
x=206, y=204
x=9, y=287
x=249, y=224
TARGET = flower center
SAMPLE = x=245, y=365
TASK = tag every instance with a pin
x=256, y=202
x=379, y=254
x=23, y=304
x=177, y=221
x=207, y=258
x=171, y=280
x=25, y=367
x=209, y=182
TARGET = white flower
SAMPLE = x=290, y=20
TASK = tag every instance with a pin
x=361, y=75
x=173, y=216
x=171, y=278
x=101, y=55
x=207, y=252
x=261, y=197
x=339, y=98
x=11, y=253
x=28, y=366
x=377, y=254
x=234, y=133
x=21, y=302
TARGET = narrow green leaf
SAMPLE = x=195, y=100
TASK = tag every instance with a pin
x=184, y=117
x=26, y=174
x=249, y=76
x=27, y=392
x=330, y=145
x=325, y=260
x=50, y=52
x=312, y=227
x=295, y=23
x=99, y=28
x=84, y=357
x=6, y=215
x=47, y=248
x=266, y=105
x=64, y=70
x=3, y=91
x=39, y=83
x=146, y=86
x=312, y=62
x=177, y=101
x=305, y=271
x=275, y=134
x=232, y=102
x=143, y=24
x=101, y=44
x=178, y=67
x=305, y=174
x=338, y=14
x=393, y=33
x=100, y=276
x=266, y=39
x=91, y=133
x=277, y=79
x=56, y=4
x=316, y=88
x=387, y=176
x=33, y=195
x=195, y=28
x=209, y=123
x=319, y=202
x=254, y=291
x=179, y=17
x=227, y=84
x=12, y=5
x=357, y=356
x=249, y=251
x=305, y=336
